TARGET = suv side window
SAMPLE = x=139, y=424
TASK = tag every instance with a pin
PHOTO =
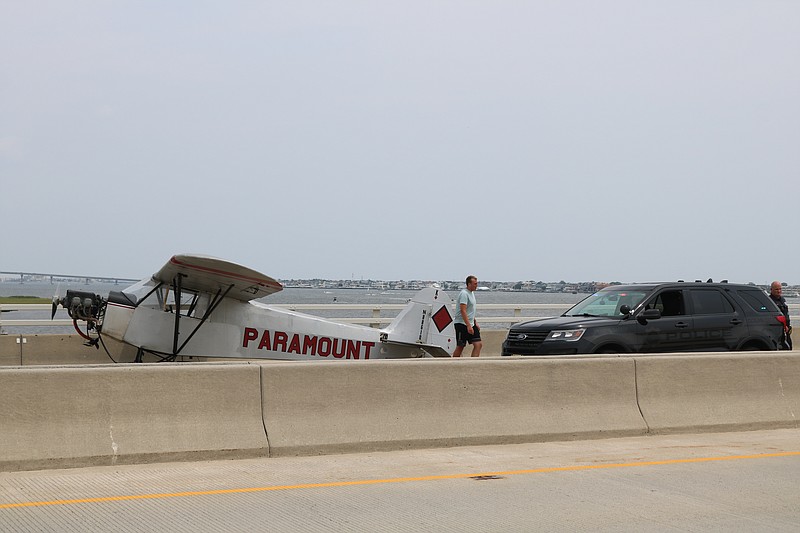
x=758, y=300
x=710, y=302
x=670, y=303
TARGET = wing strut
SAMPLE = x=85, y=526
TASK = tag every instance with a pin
x=176, y=287
x=215, y=301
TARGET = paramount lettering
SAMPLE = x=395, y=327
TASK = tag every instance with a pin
x=308, y=345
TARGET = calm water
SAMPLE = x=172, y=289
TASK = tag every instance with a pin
x=303, y=296
x=286, y=296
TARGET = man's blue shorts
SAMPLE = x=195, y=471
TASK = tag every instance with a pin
x=463, y=337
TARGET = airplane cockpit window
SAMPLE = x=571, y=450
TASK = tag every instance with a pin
x=192, y=303
x=188, y=302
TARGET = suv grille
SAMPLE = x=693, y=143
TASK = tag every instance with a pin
x=526, y=339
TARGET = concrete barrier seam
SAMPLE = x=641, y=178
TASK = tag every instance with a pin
x=261, y=400
x=636, y=387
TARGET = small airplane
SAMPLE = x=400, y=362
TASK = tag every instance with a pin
x=201, y=306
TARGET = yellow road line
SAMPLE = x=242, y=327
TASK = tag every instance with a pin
x=393, y=480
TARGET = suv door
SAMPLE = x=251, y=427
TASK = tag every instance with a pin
x=718, y=325
x=762, y=316
x=673, y=332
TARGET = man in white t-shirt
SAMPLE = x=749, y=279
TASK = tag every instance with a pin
x=467, y=330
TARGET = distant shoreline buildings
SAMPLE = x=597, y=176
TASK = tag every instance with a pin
x=516, y=286
x=587, y=287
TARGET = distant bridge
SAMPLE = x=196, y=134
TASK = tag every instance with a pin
x=27, y=276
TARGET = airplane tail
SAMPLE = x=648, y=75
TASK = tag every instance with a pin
x=426, y=322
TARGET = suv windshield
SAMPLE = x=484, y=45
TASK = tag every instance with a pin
x=607, y=303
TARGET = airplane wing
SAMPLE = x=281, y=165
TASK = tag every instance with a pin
x=209, y=274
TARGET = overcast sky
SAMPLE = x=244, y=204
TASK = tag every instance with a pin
x=603, y=140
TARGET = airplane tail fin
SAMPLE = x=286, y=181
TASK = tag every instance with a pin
x=426, y=322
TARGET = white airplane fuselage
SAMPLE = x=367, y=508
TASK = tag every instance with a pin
x=253, y=330
x=203, y=306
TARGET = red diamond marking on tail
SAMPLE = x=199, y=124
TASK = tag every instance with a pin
x=442, y=318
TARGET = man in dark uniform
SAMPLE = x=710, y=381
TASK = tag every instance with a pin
x=776, y=293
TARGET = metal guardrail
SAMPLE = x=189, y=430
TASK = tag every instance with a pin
x=379, y=317
x=28, y=322
x=380, y=314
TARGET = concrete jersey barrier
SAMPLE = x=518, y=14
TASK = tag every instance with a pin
x=389, y=405
x=54, y=417
x=721, y=392
x=66, y=416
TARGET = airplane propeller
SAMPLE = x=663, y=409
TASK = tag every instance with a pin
x=56, y=301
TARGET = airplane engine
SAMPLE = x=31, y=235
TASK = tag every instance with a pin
x=82, y=305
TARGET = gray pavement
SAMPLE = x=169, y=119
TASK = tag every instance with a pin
x=744, y=481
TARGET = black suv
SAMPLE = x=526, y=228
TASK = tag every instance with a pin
x=657, y=317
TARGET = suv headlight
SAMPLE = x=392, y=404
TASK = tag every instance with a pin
x=565, y=335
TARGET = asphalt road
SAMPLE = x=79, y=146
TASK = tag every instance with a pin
x=747, y=481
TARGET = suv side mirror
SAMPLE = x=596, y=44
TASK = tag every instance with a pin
x=648, y=314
